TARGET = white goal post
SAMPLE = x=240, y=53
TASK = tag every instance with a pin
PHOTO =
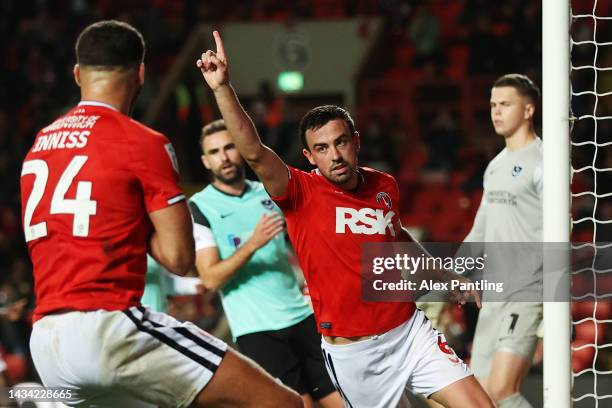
x=556, y=200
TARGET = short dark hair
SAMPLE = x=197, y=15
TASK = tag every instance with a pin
x=110, y=44
x=522, y=83
x=213, y=127
x=319, y=116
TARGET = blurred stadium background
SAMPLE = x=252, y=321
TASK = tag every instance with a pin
x=415, y=74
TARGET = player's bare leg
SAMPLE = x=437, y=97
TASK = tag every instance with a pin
x=239, y=383
x=433, y=404
x=308, y=401
x=484, y=381
x=504, y=382
x=333, y=400
x=465, y=393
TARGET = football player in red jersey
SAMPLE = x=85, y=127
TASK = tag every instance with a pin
x=374, y=351
x=99, y=190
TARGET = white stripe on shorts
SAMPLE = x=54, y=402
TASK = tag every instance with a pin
x=189, y=341
x=181, y=333
x=329, y=364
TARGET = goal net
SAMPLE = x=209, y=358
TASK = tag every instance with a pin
x=591, y=163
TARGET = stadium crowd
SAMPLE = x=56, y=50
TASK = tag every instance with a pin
x=437, y=155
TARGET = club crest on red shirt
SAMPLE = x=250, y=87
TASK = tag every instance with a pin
x=383, y=198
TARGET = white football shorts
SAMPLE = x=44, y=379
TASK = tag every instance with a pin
x=510, y=327
x=377, y=372
x=130, y=358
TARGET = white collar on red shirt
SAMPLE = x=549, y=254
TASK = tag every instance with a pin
x=361, y=178
x=95, y=103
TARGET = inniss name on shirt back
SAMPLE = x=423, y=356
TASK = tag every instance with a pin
x=68, y=132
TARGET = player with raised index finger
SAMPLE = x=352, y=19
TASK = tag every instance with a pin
x=374, y=351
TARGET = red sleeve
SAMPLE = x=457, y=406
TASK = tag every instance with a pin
x=395, y=198
x=156, y=167
x=297, y=191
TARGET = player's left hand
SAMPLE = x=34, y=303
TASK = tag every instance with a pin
x=214, y=65
x=461, y=297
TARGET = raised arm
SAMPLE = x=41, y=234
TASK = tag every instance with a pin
x=270, y=169
x=441, y=275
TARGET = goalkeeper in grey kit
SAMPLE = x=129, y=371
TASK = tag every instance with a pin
x=510, y=211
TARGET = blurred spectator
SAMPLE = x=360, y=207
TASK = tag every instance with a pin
x=398, y=13
x=486, y=50
x=424, y=31
x=13, y=341
x=377, y=151
x=443, y=139
x=398, y=135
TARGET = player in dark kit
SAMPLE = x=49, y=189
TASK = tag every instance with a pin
x=98, y=191
x=374, y=351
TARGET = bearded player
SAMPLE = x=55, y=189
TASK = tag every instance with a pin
x=374, y=351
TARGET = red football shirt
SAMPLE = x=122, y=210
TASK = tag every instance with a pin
x=327, y=226
x=87, y=184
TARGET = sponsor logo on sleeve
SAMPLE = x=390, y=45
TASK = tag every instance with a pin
x=172, y=155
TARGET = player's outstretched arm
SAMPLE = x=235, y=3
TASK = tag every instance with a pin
x=172, y=241
x=270, y=169
x=442, y=275
x=215, y=272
